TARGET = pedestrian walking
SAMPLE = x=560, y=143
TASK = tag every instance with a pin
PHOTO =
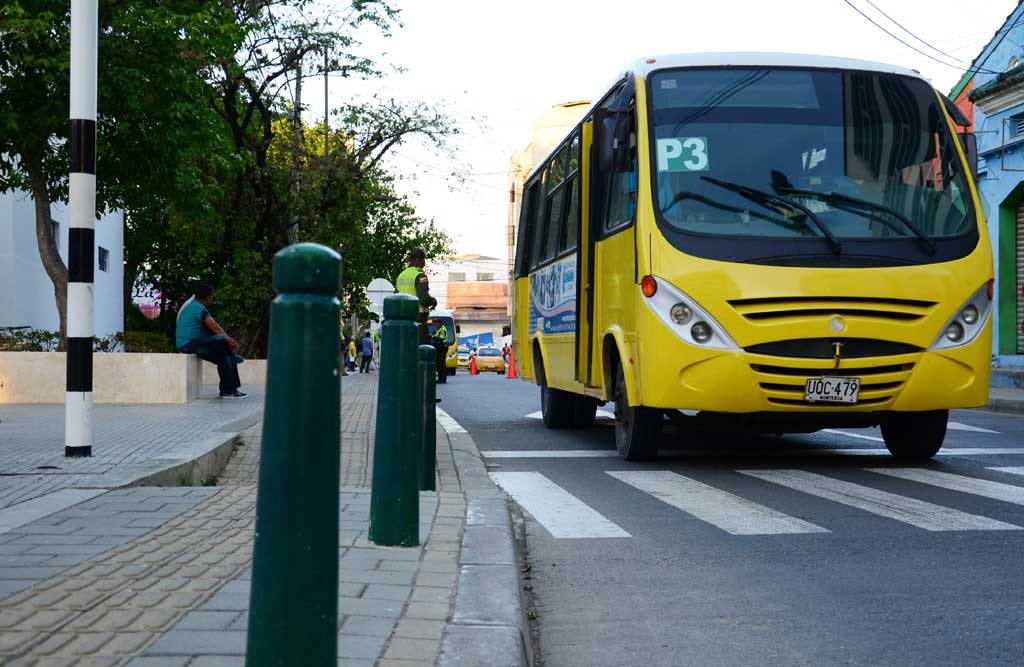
x=196, y=332
x=367, y=350
x=413, y=281
x=350, y=356
x=440, y=343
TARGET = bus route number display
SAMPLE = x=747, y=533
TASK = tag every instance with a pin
x=683, y=154
x=832, y=390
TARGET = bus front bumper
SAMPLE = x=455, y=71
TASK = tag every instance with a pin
x=740, y=382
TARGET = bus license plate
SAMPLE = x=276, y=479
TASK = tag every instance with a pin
x=832, y=390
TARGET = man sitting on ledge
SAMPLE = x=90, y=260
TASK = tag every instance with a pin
x=192, y=337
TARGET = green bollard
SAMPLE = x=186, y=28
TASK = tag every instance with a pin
x=395, y=498
x=428, y=422
x=293, y=601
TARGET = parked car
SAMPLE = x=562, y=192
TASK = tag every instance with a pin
x=489, y=359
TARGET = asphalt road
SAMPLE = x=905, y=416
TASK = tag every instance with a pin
x=797, y=550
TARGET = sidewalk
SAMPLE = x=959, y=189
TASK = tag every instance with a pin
x=159, y=577
x=131, y=444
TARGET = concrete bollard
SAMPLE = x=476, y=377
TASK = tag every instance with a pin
x=395, y=498
x=428, y=421
x=293, y=601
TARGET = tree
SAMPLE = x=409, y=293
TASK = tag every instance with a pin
x=154, y=123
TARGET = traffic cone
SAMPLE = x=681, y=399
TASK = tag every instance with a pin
x=472, y=366
x=510, y=374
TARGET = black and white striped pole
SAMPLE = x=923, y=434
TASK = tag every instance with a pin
x=81, y=229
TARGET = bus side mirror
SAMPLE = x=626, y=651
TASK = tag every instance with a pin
x=969, y=140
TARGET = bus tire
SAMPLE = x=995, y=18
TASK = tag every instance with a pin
x=915, y=436
x=636, y=427
x=584, y=412
x=556, y=406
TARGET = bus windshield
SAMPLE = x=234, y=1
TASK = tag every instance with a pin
x=448, y=323
x=771, y=154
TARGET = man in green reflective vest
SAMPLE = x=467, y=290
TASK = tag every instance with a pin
x=440, y=343
x=414, y=282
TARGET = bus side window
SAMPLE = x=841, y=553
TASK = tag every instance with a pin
x=553, y=223
x=527, y=229
x=538, y=222
x=570, y=229
x=621, y=198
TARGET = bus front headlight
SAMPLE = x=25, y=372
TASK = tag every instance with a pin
x=968, y=322
x=685, y=317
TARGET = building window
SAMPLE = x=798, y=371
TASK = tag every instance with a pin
x=1014, y=61
x=1017, y=126
x=454, y=277
x=483, y=277
x=55, y=231
x=104, y=259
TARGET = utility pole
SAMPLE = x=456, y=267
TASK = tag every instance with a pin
x=293, y=229
x=81, y=229
x=327, y=112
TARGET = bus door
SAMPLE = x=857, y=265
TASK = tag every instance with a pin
x=585, y=264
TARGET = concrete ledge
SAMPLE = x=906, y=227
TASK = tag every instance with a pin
x=488, y=626
x=118, y=377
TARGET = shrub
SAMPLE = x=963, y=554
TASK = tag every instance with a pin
x=145, y=341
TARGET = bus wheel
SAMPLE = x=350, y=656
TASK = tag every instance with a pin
x=584, y=412
x=636, y=428
x=556, y=406
x=915, y=436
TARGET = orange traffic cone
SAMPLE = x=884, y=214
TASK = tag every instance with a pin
x=472, y=366
x=511, y=373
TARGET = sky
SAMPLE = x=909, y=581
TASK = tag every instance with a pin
x=496, y=66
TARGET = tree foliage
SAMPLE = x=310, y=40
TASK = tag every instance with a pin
x=194, y=143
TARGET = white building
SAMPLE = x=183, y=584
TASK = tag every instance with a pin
x=26, y=292
x=475, y=289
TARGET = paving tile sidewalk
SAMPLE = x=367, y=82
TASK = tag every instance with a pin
x=102, y=583
x=131, y=442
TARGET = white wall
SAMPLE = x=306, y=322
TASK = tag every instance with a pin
x=26, y=293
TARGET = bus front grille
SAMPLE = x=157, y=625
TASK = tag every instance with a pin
x=825, y=348
x=781, y=308
x=784, y=385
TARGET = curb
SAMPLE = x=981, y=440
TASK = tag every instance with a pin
x=1007, y=405
x=488, y=626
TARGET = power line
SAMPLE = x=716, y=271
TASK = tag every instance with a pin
x=911, y=46
x=446, y=173
x=906, y=30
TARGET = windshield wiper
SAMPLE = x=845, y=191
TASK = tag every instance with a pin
x=779, y=205
x=838, y=197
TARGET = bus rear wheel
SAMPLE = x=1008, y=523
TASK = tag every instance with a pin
x=915, y=436
x=636, y=427
x=556, y=406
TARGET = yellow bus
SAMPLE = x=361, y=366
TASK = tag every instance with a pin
x=769, y=242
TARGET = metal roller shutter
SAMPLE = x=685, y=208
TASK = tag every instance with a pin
x=1020, y=277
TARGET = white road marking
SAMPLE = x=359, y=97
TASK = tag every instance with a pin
x=711, y=453
x=853, y=435
x=551, y=454
x=1013, y=470
x=957, y=426
x=561, y=513
x=447, y=423
x=889, y=505
x=978, y=487
x=601, y=415
x=734, y=515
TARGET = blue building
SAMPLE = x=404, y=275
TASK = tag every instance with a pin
x=993, y=91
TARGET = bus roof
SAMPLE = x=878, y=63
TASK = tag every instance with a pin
x=644, y=66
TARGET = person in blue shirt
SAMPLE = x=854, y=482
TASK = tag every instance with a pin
x=366, y=345
x=199, y=334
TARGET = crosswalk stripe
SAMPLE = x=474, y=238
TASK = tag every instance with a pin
x=734, y=515
x=859, y=436
x=722, y=452
x=889, y=505
x=978, y=487
x=561, y=513
x=957, y=426
x=1013, y=470
x=550, y=454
